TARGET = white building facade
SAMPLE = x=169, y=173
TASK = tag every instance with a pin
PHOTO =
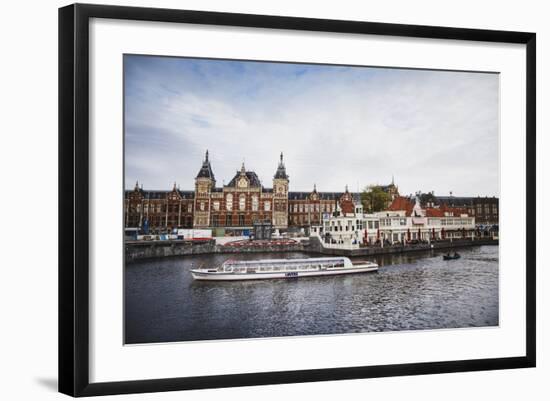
x=402, y=223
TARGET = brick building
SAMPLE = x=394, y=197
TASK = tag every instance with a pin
x=234, y=207
x=244, y=200
x=484, y=209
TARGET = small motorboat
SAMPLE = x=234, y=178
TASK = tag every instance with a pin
x=451, y=257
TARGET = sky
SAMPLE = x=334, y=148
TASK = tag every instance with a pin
x=336, y=125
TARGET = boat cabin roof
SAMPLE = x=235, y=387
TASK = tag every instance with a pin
x=283, y=261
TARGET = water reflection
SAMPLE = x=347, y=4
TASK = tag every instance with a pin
x=410, y=291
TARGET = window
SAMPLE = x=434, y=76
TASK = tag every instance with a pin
x=267, y=206
x=189, y=208
x=216, y=205
x=229, y=202
x=242, y=202
x=228, y=221
x=241, y=220
x=202, y=206
x=403, y=222
x=255, y=203
x=215, y=220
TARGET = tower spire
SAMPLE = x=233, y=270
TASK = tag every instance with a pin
x=281, y=170
x=206, y=169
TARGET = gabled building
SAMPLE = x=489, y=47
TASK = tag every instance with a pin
x=235, y=207
x=404, y=221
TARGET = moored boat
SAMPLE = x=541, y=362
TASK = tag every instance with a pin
x=451, y=257
x=283, y=268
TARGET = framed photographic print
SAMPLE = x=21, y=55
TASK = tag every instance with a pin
x=251, y=199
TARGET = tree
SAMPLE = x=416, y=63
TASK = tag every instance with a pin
x=374, y=198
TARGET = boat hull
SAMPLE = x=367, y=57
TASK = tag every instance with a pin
x=220, y=276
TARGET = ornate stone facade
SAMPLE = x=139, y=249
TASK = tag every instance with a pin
x=235, y=206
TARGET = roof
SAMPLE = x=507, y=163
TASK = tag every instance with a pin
x=455, y=200
x=252, y=179
x=206, y=169
x=281, y=170
x=322, y=195
x=401, y=203
x=445, y=210
x=162, y=194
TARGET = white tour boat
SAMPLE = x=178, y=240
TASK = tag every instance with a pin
x=283, y=268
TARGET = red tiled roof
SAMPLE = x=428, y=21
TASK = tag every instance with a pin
x=433, y=212
x=401, y=203
x=446, y=210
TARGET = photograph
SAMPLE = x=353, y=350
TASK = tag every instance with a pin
x=268, y=199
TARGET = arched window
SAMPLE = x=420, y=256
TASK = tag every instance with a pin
x=229, y=202
x=255, y=203
x=242, y=202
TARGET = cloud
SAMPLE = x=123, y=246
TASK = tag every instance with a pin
x=433, y=130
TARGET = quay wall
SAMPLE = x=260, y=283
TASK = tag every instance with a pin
x=138, y=250
x=317, y=246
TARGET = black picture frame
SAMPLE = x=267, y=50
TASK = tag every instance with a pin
x=74, y=198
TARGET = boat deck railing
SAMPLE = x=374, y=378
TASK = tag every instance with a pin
x=277, y=267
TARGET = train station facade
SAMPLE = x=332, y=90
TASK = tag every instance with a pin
x=235, y=207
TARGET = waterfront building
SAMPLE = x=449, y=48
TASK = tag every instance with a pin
x=307, y=208
x=484, y=209
x=158, y=209
x=240, y=203
x=233, y=209
x=348, y=225
x=405, y=221
x=402, y=222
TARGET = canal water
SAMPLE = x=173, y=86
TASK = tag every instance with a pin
x=411, y=291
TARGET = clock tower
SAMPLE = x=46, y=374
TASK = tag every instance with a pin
x=204, y=184
x=280, y=196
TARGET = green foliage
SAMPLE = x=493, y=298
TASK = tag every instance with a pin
x=375, y=199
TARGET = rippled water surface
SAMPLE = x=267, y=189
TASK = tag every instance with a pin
x=409, y=292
